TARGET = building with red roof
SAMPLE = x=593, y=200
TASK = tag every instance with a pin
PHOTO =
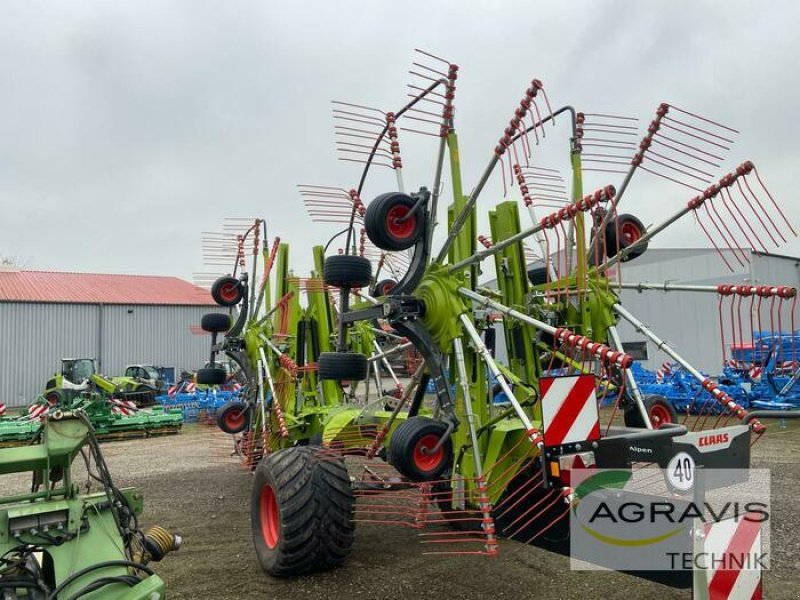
x=119, y=320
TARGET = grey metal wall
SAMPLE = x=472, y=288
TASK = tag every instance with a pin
x=34, y=338
x=690, y=322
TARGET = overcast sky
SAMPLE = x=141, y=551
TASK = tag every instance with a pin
x=128, y=128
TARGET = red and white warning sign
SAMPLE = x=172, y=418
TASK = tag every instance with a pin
x=2, y=409
x=569, y=409
x=732, y=559
x=123, y=407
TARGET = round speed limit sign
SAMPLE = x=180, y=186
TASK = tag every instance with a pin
x=680, y=472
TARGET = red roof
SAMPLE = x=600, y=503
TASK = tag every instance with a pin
x=95, y=288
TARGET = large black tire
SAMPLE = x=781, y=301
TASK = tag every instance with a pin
x=383, y=287
x=233, y=417
x=407, y=449
x=227, y=291
x=383, y=228
x=211, y=376
x=630, y=230
x=659, y=409
x=342, y=366
x=301, y=512
x=347, y=271
x=215, y=322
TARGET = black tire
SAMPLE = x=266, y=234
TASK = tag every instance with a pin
x=630, y=230
x=659, y=409
x=347, y=271
x=211, y=376
x=233, y=417
x=342, y=366
x=301, y=512
x=383, y=287
x=382, y=226
x=227, y=291
x=406, y=449
x=215, y=322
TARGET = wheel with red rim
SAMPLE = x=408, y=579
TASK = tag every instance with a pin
x=383, y=287
x=227, y=291
x=53, y=398
x=391, y=224
x=233, y=417
x=301, y=511
x=659, y=409
x=622, y=232
x=413, y=449
x=270, y=517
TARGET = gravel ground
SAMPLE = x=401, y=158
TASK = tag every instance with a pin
x=191, y=487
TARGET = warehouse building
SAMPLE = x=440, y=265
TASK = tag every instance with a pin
x=118, y=320
x=690, y=321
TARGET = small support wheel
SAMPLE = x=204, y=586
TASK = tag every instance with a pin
x=227, y=291
x=342, y=366
x=659, y=409
x=347, y=271
x=630, y=230
x=215, y=322
x=389, y=224
x=233, y=417
x=301, y=510
x=410, y=449
x=383, y=287
x=211, y=376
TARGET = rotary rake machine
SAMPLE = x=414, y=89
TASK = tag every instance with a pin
x=463, y=469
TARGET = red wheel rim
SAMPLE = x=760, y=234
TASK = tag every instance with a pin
x=52, y=399
x=387, y=287
x=233, y=419
x=630, y=232
x=400, y=229
x=270, y=517
x=660, y=414
x=229, y=292
x=423, y=459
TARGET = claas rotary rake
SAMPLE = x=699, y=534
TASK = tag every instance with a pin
x=328, y=455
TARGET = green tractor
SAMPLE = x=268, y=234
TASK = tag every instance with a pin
x=80, y=375
x=59, y=542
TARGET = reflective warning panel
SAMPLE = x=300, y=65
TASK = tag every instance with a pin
x=569, y=409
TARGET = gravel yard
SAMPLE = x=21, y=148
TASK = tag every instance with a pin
x=190, y=486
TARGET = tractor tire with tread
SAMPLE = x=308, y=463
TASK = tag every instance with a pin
x=301, y=512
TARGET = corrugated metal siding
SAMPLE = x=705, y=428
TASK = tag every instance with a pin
x=34, y=338
x=690, y=322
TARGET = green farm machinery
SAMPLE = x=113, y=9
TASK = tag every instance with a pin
x=329, y=453
x=80, y=374
x=59, y=542
x=114, y=406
